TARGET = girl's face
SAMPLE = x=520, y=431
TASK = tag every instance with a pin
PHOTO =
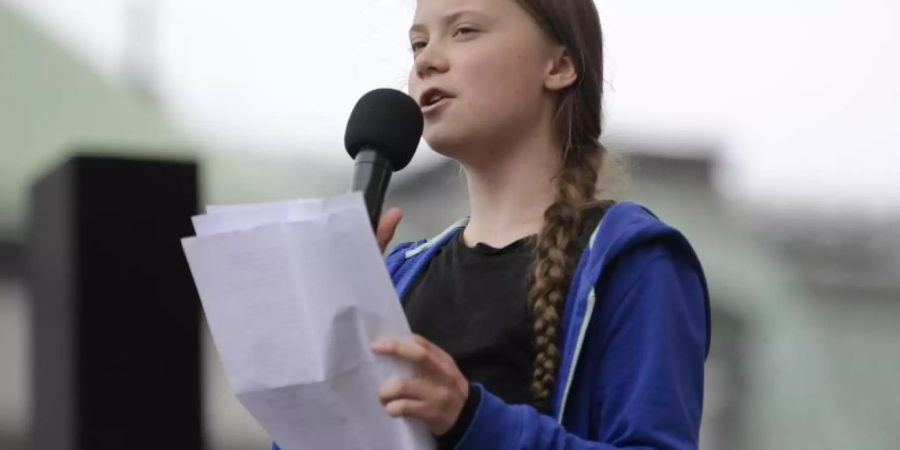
x=480, y=71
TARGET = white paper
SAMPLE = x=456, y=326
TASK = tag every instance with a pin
x=220, y=219
x=294, y=292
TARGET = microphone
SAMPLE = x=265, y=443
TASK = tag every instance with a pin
x=382, y=135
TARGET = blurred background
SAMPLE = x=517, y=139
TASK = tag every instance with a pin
x=766, y=131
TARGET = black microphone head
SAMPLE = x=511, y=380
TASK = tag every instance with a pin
x=386, y=120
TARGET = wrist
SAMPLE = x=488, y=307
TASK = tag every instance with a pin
x=463, y=419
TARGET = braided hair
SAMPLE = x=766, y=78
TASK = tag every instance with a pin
x=574, y=24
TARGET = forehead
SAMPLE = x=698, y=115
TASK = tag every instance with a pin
x=430, y=12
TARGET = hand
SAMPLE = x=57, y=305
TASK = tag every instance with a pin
x=386, y=227
x=437, y=393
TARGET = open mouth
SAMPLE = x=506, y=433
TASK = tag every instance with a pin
x=433, y=99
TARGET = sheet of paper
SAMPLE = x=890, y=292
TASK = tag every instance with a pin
x=294, y=292
x=225, y=218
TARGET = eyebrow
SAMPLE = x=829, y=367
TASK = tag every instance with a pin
x=449, y=18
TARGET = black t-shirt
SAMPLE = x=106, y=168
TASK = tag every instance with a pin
x=473, y=303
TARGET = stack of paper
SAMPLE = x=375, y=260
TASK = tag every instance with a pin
x=294, y=292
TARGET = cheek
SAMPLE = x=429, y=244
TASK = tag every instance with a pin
x=412, y=84
x=505, y=79
x=501, y=92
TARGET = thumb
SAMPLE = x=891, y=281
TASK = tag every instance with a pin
x=387, y=226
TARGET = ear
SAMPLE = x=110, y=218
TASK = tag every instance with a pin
x=561, y=71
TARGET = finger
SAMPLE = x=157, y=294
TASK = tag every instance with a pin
x=439, y=354
x=387, y=225
x=408, y=408
x=411, y=351
x=403, y=349
x=428, y=345
x=411, y=388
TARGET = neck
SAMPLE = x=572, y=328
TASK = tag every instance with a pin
x=508, y=195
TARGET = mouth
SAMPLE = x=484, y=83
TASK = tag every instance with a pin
x=432, y=99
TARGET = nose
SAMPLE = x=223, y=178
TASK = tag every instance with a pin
x=431, y=60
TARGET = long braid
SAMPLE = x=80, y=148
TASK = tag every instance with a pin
x=555, y=251
x=577, y=122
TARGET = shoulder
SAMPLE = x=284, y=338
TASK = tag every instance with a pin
x=638, y=263
x=632, y=231
x=407, y=253
x=398, y=259
x=399, y=252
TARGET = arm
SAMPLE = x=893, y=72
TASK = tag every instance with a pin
x=649, y=391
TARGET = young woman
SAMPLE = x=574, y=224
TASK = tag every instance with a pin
x=547, y=319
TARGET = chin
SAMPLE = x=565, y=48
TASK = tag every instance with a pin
x=449, y=143
x=457, y=140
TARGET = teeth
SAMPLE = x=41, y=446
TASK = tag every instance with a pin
x=435, y=98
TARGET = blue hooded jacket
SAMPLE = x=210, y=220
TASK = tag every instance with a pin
x=635, y=335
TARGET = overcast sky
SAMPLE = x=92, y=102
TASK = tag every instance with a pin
x=800, y=97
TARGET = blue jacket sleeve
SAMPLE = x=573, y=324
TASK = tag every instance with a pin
x=648, y=393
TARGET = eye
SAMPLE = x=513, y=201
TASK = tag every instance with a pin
x=465, y=29
x=417, y=45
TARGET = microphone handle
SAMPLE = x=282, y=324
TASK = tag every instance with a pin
x=371, y=175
